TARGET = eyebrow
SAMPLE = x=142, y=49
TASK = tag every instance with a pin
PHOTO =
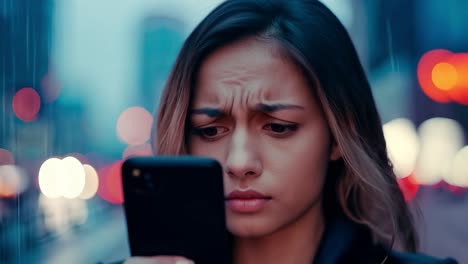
x=261, y=107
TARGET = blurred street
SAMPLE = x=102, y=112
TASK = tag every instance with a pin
x=80, y=81
x=103, y=241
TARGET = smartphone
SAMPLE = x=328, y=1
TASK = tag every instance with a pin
x=174, y=205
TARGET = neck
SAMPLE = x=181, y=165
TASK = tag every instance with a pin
x=295, y=243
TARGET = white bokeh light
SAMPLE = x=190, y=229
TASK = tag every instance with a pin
x=62, y=178
x=402, y=145
x=459, y=172
x=91, y=182
x=72, y=178
x=48, y=178
x=134, y=125
x=13, y=180
x=441, y=139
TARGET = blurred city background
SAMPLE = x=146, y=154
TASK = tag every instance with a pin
x=80, y=81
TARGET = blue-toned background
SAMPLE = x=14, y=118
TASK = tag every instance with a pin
x=80, y=81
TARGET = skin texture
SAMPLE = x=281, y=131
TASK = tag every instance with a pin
x=254, y=111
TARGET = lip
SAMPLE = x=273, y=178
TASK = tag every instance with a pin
x=249, y=201
x=249, y=194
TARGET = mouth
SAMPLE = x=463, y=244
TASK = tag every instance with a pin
x=247, y=201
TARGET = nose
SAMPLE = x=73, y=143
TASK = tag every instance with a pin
x=243, y=159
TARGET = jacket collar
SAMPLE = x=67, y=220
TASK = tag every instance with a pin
x=347, y=242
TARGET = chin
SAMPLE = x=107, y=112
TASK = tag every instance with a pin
x=249, y=228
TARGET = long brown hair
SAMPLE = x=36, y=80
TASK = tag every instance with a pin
x=363, y=184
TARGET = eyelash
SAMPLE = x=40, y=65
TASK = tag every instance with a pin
x=291, y=128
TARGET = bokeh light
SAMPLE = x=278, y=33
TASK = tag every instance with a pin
x=134, y=125
x=48, y=178
x=137, y=151
x=459, y=92
x=110, y=187
x=425, y=74
x=91, y=182
x=62, y=178
x=402, y=145
x=72, y=178
x=409, y=186
x=26, y=104
x=441, y=139
x=6, y=158
x=13, y=181
x=459, y=173
x=444, y=76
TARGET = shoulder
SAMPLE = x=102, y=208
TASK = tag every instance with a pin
x=415, y=258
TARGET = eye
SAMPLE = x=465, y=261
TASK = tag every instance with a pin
x=280, y=129
x=211, y=132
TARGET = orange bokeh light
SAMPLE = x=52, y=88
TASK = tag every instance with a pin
x=26, y=104
x=111, y=187
x=425, y=67
x=443, y=76
x=459, y=92
x=134, y=125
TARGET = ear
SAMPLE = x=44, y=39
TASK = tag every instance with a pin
x=335, y=153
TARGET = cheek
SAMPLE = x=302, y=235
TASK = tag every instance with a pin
x=301, y=164
x=308, y=150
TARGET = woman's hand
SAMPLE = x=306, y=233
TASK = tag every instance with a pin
x=159, y=260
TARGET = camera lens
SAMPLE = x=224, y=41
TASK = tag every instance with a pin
x=136, y=172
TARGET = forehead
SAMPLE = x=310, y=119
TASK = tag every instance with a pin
x=250, y=67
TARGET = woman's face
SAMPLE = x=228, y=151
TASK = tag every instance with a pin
x=254, y=112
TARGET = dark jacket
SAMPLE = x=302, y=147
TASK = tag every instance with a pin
x=347, y=242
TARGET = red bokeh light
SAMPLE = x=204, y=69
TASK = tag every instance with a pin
x=409, y=186
x=110, y=178
x=26, y=104
x=425, y=67
x=443, y=76
x=6, y=158
x=134, y=125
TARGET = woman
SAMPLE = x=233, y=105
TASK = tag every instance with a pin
x=274, y=90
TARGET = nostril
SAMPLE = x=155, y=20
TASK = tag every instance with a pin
x=249, y=173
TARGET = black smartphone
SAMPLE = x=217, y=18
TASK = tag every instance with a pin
x=174, y=205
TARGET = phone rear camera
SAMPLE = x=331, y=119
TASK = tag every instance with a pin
x=136, y=173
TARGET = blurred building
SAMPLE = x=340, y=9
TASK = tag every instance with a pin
x=24, y=58
x=91, y=60
x=161, y=40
